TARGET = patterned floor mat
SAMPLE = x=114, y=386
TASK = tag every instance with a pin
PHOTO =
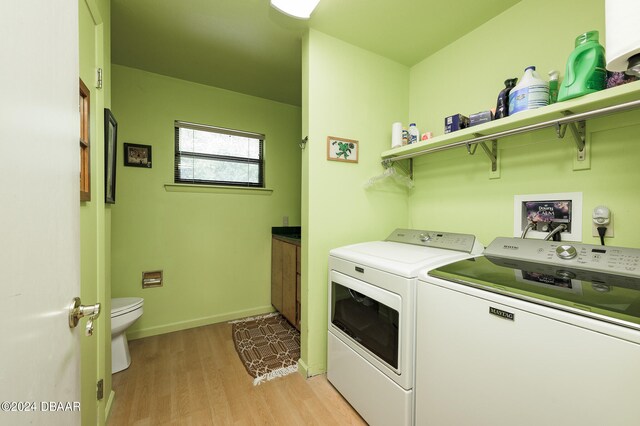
x=268, y=346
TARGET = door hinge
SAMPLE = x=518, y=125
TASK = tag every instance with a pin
x=99, y=78
x=100, y=390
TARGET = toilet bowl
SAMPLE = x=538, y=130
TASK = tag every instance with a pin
x=124, y=312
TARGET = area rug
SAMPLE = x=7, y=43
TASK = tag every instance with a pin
x=268, y=346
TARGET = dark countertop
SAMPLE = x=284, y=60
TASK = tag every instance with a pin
x=291, y=234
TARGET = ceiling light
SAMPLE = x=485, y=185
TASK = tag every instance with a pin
x=297, y=8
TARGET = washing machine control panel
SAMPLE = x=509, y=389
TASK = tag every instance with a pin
x=615, y=260
x=566, y=252
x=445, y=240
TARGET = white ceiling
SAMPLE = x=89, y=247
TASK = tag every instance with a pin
x=248, y=47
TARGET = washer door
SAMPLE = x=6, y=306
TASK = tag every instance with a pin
x=367, y=317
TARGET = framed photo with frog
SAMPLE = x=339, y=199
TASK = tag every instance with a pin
x=340, y=149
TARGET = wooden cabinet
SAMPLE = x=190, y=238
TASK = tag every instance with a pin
x=285, y=279
x=276, y=273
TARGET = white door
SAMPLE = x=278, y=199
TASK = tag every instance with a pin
x=39, y=210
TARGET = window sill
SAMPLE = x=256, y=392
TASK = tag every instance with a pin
x=216, y=189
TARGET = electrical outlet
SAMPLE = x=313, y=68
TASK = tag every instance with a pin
x=609, y=233
x=285, y=220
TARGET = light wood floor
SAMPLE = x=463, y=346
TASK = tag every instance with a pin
x=194, y=377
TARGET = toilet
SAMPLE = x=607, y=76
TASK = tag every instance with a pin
x=124, y=312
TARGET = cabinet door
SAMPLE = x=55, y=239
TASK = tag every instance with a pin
x=276, y=273
x=289, y=282
x=298, y=305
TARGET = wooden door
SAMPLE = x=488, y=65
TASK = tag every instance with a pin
x=289, y=282
x=276, y=273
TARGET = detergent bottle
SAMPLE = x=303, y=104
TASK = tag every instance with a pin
x=586, y=68
x=532, y=92
x=502, y=107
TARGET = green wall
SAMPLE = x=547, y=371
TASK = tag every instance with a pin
x=203, y=240
x=351, y=93
x=453, y=190
x=213, y=246
x=95, y=217
x=466, y=76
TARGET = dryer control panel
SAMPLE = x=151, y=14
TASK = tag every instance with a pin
x=445, y=240
x=609, y=259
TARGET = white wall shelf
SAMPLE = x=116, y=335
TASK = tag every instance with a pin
x=570, y=114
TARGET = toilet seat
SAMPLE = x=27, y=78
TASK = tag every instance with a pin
x=124, y=305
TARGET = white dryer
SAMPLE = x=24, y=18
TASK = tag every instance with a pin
x=372, y=310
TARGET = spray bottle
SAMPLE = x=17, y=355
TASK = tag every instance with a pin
x=553, y=86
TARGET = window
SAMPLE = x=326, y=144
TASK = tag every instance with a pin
x=218, y=156
x=85, y=168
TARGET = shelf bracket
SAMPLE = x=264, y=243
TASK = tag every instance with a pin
x=491, y=153
x=561, y=130
x=579, y=132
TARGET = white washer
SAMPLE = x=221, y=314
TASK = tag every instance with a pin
x=532, y=333
x=372, y=315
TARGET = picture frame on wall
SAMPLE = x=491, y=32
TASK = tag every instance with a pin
x=341, y=149
x=136, y=155
x=110, y=146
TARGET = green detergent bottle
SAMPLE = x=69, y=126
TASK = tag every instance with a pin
x=586, y=68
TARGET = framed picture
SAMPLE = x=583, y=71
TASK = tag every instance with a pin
x=137, y=155
x=110, y=144
x=340, y=149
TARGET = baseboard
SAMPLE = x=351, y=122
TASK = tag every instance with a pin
x=303, y=369
x=315, y=371
x=308, y=372
x=199, y=322
x=108, y=405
